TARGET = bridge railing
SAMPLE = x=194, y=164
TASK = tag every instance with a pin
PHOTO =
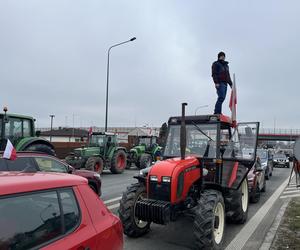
x=279, y=131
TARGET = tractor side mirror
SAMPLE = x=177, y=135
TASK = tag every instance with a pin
x=38, y=133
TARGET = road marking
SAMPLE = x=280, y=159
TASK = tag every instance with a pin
x=289, y=196
x=113, y=200
x=246, y=232
x=292, y=188
x=291, y=191
x=113, y=206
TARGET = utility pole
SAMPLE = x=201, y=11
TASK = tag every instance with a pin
x=51, y=126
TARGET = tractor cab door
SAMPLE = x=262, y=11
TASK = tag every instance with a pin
x=239, y=154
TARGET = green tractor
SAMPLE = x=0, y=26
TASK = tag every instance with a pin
x=102, y=152
x=145, y=152
x=19, y=129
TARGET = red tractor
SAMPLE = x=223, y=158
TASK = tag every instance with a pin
x=203, y=174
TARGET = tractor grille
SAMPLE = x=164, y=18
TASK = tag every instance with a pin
x=159, y=191
x=153, y=210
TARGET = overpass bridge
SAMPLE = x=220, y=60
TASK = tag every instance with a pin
x=266, y=134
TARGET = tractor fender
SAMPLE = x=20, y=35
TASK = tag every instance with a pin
x=28, y=141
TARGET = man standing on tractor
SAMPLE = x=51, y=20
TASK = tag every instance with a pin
x=221, y=77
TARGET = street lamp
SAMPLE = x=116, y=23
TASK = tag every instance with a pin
x=107, y=76
x=51, y=126
x=200, y=107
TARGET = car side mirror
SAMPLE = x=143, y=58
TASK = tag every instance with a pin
x=258, y=168
x=38, y=133
x=70, y=169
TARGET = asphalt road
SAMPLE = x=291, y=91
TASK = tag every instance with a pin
x=178, y=235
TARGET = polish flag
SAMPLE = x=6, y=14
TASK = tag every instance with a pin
x=233, y=102
x=90, y=131
x=9, y=152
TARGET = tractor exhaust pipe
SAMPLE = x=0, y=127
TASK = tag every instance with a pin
x=183, y=132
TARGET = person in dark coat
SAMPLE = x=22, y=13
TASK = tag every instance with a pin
x=221, y=77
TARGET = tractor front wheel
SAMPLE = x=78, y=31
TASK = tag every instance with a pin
x=94, y=164
x=237, y=202
x=145, y=161
x=132, y=226
x=209, y=221
x=41, y=148
x=118, y=162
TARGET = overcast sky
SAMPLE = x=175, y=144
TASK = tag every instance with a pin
x=53, y=56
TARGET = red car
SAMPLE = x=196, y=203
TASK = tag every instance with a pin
x=33, y=161
x=54, y=211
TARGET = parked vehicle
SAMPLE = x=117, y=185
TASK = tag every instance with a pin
x=257, y=182
x=266, y=161
x=280, y=160
x=146, y=152
x=198, y=176
x=53, y=211
x=19, y=129
x=102, y=152
x=33, y=161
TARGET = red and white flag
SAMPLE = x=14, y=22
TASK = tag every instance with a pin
x=90, y=131
x=9, y=152
x=233, y=102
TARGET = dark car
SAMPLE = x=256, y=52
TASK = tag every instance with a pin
x=256, y=183
x=266, y=161
x=281, y=160
x=33, y=161
x=51, y=211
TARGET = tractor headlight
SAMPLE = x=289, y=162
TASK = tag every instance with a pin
x=166, y=179
x=153, y=178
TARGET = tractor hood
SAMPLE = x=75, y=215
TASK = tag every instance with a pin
x=172, y=166
x=86, y=151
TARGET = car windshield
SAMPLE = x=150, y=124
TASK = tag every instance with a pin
x=200, y=140
x=262, y=154
x=97, y=140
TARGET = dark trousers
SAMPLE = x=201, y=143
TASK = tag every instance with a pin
x=221, y=92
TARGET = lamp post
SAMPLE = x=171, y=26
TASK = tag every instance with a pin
x=200, y=107
x=107, y=77
x=51, y=126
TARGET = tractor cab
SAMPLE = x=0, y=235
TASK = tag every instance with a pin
x=102, y=140
x=19, y=129
x=216, y=143
x=148, y=142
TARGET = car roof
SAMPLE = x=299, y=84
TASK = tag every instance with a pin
x=19, y=182
x=31, y=154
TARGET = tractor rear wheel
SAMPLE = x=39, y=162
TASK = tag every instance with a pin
x=118, y=162
x=41, y=148
x=145, y=161
x=94, y=164
x=132, y=226
x=209, y=221
x=237, y=202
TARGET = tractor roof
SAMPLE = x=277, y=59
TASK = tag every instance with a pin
x=176, y=120
x=17, y=116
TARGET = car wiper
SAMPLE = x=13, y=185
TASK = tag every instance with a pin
x=200, y=130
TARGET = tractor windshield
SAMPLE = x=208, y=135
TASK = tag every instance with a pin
x=97, y=140
x=145, y=140
x=200, y=139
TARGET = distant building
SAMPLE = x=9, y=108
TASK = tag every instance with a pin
x=80, y=134
x=66, y=135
